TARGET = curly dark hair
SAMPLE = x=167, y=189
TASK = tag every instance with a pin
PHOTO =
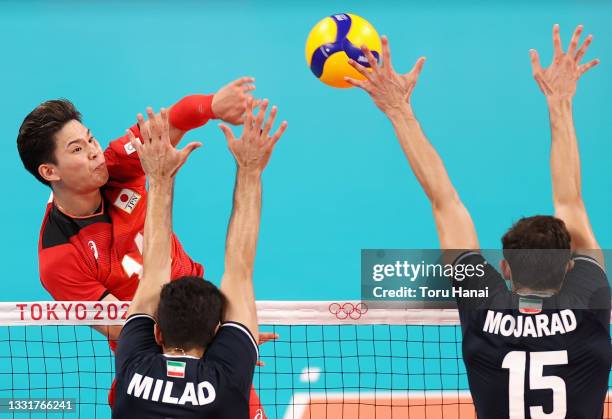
x=189, y=310
x=538, y=250
x=36, y=138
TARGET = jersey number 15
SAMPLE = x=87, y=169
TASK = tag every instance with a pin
x=516, y=362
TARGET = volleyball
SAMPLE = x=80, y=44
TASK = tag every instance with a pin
x=333, y=41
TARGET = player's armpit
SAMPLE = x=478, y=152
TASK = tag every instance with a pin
x=583, y=240
x=455, y=228
x=240, y=306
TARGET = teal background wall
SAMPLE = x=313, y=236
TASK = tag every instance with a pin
x=338, y=181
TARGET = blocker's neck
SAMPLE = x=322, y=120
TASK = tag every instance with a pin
x=197, y=353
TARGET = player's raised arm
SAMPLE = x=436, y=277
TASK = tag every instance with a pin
x=227, y=104
x=160, y=162
x=558, y=83
x=391, y=92
x=252, y=153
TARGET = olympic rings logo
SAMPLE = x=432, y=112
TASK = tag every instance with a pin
x=348, y=310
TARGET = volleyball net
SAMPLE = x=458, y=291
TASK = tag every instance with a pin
x=332, y=360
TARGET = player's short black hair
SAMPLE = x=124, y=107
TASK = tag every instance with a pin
x=189, y=310
x=36, y=139
x=538, y=250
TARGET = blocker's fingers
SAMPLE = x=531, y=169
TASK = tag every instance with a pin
x=558, y=47
x=248, y=88
x=574, y=42
x=370, y=57
x=270, y=122
x=134, y=141
x=154, y=124
x=188, y=149
x=361, y=69
x=386, y=53
x=229, y=134
x=261, y=115
x=266, y=337
x=144, y=128
x=418, y=67
x=279, y=132
x=243, y=80
x=248, y=120
x=586, y=67
x=362, y=84
x=256, y=103
x=536, y=67
x=165, y=124
x=583, y=49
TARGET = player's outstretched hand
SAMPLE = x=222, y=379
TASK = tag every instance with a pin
x=558, y=81
x=229, y=103
x=159, y=159
x=263, y=338
x=389, y=90
x=254, y=148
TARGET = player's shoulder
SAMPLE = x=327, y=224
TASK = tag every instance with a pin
x=586, y=262
x=232, y=338
x=137, y=338
x=137, y=323
x=58, y=228
x=458, y=257
x=586, y=284
x=586, y=272
x=239, y=332
x=233, y=354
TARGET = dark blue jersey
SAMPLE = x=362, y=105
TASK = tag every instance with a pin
x=151, y=384
x=537, y=357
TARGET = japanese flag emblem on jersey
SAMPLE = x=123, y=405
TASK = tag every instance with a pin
x=127, y=200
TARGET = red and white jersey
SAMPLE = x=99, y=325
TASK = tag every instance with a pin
x=87, y=258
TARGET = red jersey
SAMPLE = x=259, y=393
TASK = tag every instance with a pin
x=87, y=258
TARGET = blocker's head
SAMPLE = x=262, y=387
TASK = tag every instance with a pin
x=59, y=150
x=537, y=253
x=189, y=312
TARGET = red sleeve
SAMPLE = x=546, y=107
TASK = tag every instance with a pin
x=122, y=160
x=66, y=277
x=192, y=112
x=121, y=157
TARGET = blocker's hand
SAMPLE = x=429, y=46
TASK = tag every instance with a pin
x=159, y=159
x=263, y=338
x=388, y=89
x=254, y=148
x=559, y=80
x=229, y=103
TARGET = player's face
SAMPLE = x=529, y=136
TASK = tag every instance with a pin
x=80, y=160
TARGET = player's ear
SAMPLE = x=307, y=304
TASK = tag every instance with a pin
x=159, y=339
x=48, y=172
x=504, y=267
